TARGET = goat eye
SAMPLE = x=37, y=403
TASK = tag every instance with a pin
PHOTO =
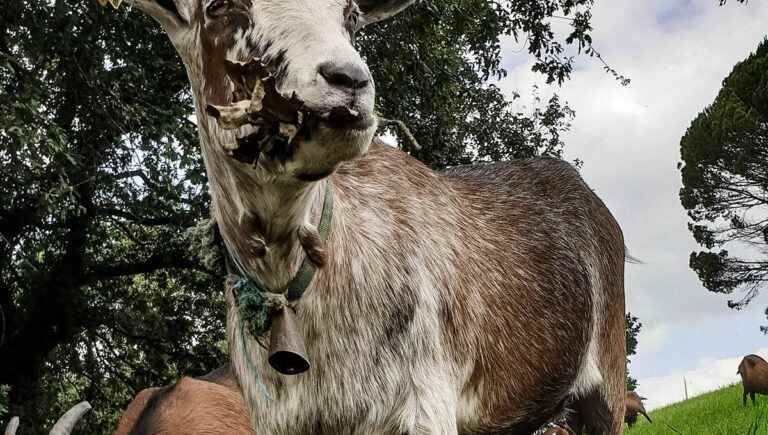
x=216, y=7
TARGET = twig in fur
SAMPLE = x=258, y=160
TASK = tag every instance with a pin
x=404, y=130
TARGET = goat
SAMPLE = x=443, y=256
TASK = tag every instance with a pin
x=476, y=300
x=754, y=377
x=633, y=404
x=64, y=425
x=210, y=405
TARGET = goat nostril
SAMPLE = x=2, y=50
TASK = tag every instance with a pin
x=346, y=75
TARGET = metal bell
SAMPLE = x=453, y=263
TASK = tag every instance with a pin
x=287, y=353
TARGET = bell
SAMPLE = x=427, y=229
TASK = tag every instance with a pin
x=287, y=354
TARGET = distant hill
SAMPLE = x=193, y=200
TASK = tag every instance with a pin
x=716, y=413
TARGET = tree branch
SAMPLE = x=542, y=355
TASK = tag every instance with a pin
x=133, y=174
x=167, y=260
x=127, y=231
x=177, y=220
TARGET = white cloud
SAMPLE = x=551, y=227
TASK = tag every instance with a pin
x=653, y=337
x=708, y=374
x=677, y=54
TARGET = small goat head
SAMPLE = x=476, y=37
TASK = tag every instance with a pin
x=307, y=45
x=633, y=405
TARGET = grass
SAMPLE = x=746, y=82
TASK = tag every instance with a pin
x=716, y=413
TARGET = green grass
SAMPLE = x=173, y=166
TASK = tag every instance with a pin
x=716, y=413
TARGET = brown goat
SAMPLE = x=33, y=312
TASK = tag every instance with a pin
x=210, y=405
x=444, y=301
x=754, y=377
x=633, y=405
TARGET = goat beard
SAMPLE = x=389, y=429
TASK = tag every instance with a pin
x=279, y=122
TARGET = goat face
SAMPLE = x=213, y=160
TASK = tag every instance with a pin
x=308, y=44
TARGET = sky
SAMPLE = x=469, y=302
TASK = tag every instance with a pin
x=676, y=52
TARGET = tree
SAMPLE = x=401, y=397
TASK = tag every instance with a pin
x=633, y=327
x=457, y=43
x=100, y=181
x=102, y=288
x=724, y=171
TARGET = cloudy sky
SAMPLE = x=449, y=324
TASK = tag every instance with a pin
x=677, y=53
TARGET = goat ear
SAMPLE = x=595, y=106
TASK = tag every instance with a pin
x=171, y=14
x=379, y=10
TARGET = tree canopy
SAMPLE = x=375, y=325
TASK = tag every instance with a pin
x=103, y=290
x=724, y=171
x=633, y=327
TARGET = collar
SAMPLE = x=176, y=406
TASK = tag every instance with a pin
x=299, y=283
x=256, y=302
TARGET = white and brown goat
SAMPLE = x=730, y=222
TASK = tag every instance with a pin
x=483, y=299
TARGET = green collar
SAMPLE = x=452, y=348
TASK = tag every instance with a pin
x=296, y=287
x=256, y=302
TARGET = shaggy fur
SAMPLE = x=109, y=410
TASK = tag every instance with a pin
x=447, y=302
x=475, y=301
x=754, y=377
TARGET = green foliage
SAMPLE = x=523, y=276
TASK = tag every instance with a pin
x=633, y=327
x=725, y=180
x=99, y=179
x=456, y=44
x=4, y=389
x=104, y=286
x=715, y=413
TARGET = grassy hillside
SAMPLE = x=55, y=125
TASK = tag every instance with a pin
x=716, y=413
